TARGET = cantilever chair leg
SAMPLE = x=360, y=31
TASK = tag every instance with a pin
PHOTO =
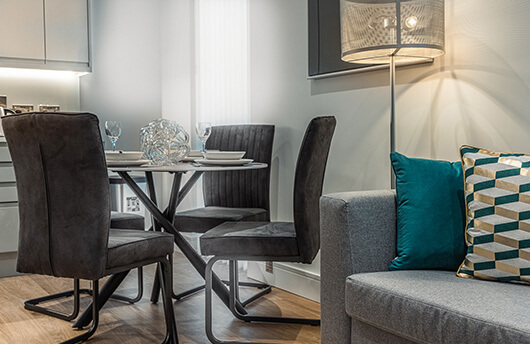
x=233, y=297
x=251, y=318
x=32, y=304
x=138, y=296
x=265, y=289
x=95, y=321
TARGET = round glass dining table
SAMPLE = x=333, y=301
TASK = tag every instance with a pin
x=164, y=218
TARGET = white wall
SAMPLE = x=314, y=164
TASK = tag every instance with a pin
x=478, y=93
x=125, y=83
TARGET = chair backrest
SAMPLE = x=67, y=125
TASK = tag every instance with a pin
x=63, y=193
x=240, y=189
x=308, y=182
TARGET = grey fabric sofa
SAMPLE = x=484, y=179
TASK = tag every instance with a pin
x=363, y=302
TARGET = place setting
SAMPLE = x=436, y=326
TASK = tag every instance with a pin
x=119, y=158
x=223, y=158
x=125, y=158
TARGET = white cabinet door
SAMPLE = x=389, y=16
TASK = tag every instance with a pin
x=22, y=29
x=9, y=230
x=66, y=31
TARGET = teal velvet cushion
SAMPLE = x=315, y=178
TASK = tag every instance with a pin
x=431, y=214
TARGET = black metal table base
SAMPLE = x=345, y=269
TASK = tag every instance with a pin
x=165, y=220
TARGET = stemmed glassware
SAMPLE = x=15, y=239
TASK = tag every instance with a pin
x=203, y=130
x=113, y=131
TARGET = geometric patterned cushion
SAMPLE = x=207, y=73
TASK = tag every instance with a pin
x=498, y=211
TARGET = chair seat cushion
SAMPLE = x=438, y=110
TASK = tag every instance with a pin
x=201, y=220
x=126, y=221
x=438, y=307
x=251, y=239
x=128, y=247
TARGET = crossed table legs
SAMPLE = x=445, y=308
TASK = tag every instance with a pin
x=164, y=220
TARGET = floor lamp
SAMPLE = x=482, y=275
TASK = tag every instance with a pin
x=390, y=32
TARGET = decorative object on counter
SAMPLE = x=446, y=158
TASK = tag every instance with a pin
x=164, y=142
x=203, y=130
x=113, y=131
x=3, y=101
x=386, y=32
x=23, y=107
x=49, y=108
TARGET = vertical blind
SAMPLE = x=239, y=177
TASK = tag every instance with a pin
x=222, y=61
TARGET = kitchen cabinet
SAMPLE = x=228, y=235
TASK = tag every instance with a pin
x=45, y=34
x=9, y=220
x=22, y=33
x=67, y=31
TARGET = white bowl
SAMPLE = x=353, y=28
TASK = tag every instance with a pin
x=123, y=155
x=223, y=155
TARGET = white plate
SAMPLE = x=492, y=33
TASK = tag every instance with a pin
x=123, y=155
x=223, y=155
x=195, y=153
x=190, y=159
x=121, y=163
x=237, y=162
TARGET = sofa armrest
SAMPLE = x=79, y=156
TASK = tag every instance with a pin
x=357, y=234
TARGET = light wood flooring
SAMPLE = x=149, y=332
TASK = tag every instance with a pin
x=143, y=322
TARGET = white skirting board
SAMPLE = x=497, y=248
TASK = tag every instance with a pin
x=286, y=277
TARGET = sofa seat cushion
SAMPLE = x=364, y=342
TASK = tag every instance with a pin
x=438, y=307
x=201, y=220
x=128, y=246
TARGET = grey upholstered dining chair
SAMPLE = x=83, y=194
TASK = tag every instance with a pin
x=234, y=195
x=297, y=241
x=64, y=204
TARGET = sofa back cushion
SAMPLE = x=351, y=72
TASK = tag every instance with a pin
x=498, y=209
x=430, y=214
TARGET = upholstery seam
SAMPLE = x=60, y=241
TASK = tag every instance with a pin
x=46, y=187
x=366, y=285
x=134, y=242
x=386, y=329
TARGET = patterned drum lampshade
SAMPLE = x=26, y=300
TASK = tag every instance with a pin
x=374, y=30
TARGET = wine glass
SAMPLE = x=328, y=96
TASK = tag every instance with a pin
x=203, y=130
x=113, y=131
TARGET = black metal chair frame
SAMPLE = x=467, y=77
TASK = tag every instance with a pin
x=164, y=273
x=234, y=297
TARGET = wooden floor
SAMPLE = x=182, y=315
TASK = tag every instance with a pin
x=143, y=322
